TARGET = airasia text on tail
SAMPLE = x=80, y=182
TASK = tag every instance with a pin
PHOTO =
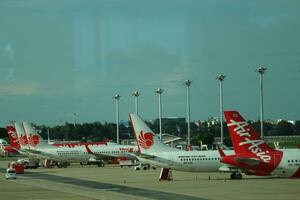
x=241, y=131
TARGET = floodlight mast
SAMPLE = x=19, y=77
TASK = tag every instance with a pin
x=188, y=84
x=117, y=98
x=74, y=119
x=159, y=91
x=221, y=78
x=261, y=70
x=136, y=95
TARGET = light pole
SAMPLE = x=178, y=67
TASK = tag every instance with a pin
x=159, y=91
x=221, y=78
x=136, y=95
x=188, y=84
x=261, y=70
x=117, y=98
x=48, y=134
x=74, y=119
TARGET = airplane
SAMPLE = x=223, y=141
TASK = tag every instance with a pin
x=155, y=152
x=73, y=153
x=253, y=155
x=33, y=146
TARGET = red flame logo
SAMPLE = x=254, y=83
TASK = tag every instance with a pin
x=23, y=140
x=145, y=140
x=33, y=140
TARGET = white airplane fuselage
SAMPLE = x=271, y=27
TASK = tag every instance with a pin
x=80, y=154
x=289, y=164
x=190, y=161
x=209, y=161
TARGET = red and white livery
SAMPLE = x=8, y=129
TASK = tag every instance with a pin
x=253, y=155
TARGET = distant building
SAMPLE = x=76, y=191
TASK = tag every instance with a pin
x=169, y=120
x=213, y=121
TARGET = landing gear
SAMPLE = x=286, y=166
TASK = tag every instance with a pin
x=100, y=164
x=236, y=175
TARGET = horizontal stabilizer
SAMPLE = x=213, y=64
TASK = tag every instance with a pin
x=247, y=161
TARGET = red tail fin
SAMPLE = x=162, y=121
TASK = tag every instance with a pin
x=244, y=138
x=13, y=137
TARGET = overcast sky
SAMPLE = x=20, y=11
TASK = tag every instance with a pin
x=61, y=57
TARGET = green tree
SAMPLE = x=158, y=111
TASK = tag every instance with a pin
x=297, y=127
x=284, y=128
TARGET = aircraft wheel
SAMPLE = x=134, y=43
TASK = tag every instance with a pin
x=238, y=176
x=232, y=176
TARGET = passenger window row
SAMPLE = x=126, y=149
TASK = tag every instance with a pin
x=195, y=159
x=291, y=161
x=67, y=153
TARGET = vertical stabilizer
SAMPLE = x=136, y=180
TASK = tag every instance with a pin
x=147, y=141
x=13, y=137
x=21, y=136
x=245, y=140
x=35, y=141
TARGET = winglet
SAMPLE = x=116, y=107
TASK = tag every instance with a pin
x=221, y=152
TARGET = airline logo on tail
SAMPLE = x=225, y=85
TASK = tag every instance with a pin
x=13, y=137
x=145, y=140
x=33, y=140
x=242, y=130
x=23, y=140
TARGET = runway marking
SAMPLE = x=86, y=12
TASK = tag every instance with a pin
x=109, y=189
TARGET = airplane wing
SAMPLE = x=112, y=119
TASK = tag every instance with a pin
x=145, y=156
x=155, y=159
x=108, y=157
x=98, y=155
x=228, y=168
x=37, y=153
x=132, y=156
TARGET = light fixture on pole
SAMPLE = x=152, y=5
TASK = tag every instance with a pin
x=117, y=98
x=136, y=95
x=188, y=84
x=221, y=78
x=159, y=91
x=261, y=70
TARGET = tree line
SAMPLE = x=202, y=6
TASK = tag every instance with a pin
x=203, y=131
